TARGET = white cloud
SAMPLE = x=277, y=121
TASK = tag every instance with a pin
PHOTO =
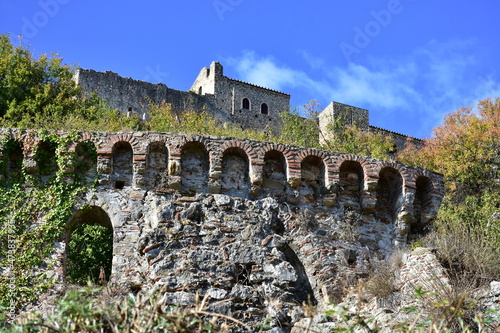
x=426, y=84
x=313, y=61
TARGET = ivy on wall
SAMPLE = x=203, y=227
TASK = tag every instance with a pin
x=34, y=210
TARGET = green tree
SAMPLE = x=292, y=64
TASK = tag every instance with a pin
x=90, y=248
x=352, y=139
x=299, y=131
x=466, y=150
x=305, y=131
x=164, y=119
x=41, y=93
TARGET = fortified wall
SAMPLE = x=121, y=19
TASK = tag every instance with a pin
x=259, y=227
x=227, y=99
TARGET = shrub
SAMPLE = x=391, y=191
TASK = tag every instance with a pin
x=85, y=310
x=90, y=249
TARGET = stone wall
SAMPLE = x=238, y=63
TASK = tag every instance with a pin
x=262, y=225
x=229, y=95
x=130, y=96
x=400, y=140
x=348, y=115
x=226, y=99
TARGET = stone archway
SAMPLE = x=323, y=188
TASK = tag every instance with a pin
x=157, y=163
x=86, y=161
x=46, y=158
x=89, y=246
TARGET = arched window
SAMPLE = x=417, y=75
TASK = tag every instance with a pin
x=14, y=159
x=422, y=208
x=245, y=104
x=351, y=180
x=46, y=157
x=200, y=91
x=85, y=161
x=264, y=108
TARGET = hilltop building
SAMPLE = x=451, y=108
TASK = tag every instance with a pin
x=228, y=100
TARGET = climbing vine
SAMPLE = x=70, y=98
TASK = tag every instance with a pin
x=33, y=214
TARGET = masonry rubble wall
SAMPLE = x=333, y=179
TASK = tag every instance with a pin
x=199, y=214
x=227, y=100
x=230, y=93
x=131, y=96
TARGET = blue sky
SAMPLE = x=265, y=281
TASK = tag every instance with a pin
x=409, y=62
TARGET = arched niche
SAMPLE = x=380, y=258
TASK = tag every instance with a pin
x=123, y=171
x=14, y=159
x=46, y=157
x=422, y=206
x=157, y=162
x=351, y=181
x=85, y=161
x=195, y=165
x=274, y=171
x=89, y=246
x=389, y=194
x=312, y=171
x=235, y=178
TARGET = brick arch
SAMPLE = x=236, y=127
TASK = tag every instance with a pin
x=351, y=181
x=389, y=191
x=12, y=151
x=83, y=137
x=30, y=141
x=122, y=163
x=106, y=147
x=236, y=176
x=365, y=163
x=287, y=153
x=414, y=174
x=323, y=155
x=405, y=173
x=155, y=138
x=253, y=156
x=176, y=150
x=89, y=214
x=275, y=166
x=156, y=161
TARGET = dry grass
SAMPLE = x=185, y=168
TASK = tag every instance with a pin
x=383, y=276
x=96, y=310
x=469, y=259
